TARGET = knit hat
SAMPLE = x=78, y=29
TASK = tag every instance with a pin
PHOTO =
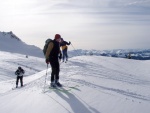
x=57, y=36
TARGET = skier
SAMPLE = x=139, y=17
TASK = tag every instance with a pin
x=129, y=56
x=19, y=72
x=64, y=47
x=52, y=54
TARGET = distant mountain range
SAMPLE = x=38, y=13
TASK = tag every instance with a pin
x=9, y=42
x=138, y=54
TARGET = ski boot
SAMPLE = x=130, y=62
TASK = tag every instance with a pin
x=58, y=84
x=53, y=85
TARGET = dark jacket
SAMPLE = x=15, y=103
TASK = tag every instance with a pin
x=19, y=72
x=64, y=45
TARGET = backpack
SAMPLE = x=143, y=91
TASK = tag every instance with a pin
x=46, y=45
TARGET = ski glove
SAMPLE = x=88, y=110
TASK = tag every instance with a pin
x=47, y=61
x=69, y=42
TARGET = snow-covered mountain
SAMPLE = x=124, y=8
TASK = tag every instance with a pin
x=9, y=42
x=138, y=54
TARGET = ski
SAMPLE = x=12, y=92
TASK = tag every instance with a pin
x=16, y=88
x=19, y=87
x=65, y=88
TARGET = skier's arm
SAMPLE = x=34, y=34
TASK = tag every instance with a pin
x=49, y=49
x=67, y=43
x=17, y=72
x=61, y=44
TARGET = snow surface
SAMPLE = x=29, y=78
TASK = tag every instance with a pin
x=97, y=85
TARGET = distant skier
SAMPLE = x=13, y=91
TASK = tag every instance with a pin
x=64, y=47
x=52, y=54
x=129, y=56
x=19, y=72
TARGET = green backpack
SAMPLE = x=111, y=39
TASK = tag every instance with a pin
x=46, y=45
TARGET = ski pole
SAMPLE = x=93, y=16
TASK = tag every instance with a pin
x=14, y=84
x=75, y=50
x=45, y=77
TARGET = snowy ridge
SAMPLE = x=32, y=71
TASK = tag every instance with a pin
x=10, y=35
x=9, y=42
x=97, y=85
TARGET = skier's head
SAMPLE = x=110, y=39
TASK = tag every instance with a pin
x=57, y=37
x=19, y=67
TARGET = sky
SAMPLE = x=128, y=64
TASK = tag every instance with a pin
x=88, y=24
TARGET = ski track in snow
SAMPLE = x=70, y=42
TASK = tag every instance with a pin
x=105, y=73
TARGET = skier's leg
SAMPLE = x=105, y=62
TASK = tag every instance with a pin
x=52, y=84
x=17, y=79
x=66, y=56
x=57, y=75
x=53, y=74
x=63, y=55
x=57, y=70
x=53, y=67
x=57, y=79
x=21, y=80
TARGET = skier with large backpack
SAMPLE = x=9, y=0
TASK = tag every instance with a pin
x=52, y=53
x=64, y=48
x=19, y=72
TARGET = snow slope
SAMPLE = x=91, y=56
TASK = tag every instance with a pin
x=11, y=43
x=9, y=62
x=96, y=85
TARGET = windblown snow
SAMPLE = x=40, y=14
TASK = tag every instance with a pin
x=96, y=85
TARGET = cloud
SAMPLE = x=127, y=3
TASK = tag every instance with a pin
x=113, y=21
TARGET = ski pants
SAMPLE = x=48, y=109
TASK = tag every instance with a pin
x=55, y=70
x=21, y=80
x=65, y=55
